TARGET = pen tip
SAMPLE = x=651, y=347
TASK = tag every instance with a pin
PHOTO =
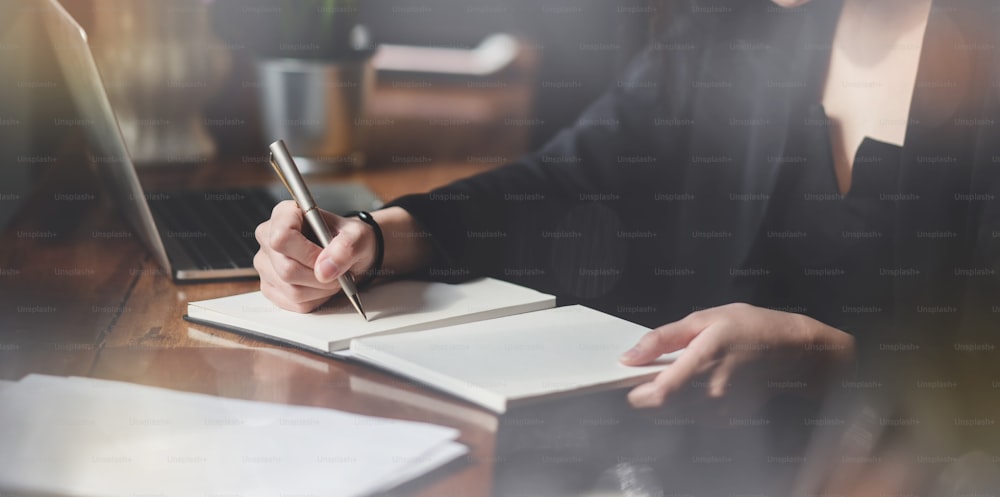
x=357, y=305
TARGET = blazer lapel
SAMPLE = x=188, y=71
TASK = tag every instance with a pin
x=791, y=75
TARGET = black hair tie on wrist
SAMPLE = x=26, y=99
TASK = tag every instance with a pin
x=376, y=268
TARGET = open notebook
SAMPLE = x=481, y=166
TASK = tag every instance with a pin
x=478, y=340
x=392, y=307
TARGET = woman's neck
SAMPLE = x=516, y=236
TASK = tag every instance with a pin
x=872, y=75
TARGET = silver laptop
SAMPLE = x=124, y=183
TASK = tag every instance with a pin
x=194, y=235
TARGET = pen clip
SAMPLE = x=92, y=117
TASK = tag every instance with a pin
x=277, y=170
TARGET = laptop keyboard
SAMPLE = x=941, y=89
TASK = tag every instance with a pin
x=215, y=228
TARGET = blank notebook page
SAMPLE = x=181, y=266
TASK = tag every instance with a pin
x=395, y=306
x=518, y=357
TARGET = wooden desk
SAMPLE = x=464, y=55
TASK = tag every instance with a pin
x=79, y=295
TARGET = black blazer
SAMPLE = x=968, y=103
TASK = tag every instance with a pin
x=630, y=209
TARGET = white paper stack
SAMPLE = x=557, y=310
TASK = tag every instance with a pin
x=87, y=437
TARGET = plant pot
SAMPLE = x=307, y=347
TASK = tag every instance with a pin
x=318, y=108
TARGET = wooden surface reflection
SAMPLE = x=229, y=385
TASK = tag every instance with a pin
x=81, y=296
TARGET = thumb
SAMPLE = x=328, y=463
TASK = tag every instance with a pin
x=341, y=253
x=338, y=256
x=333, y=261
x=667, y=338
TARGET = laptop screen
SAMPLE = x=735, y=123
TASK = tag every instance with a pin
x=96, y=117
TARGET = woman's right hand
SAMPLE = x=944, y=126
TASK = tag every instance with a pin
x=298, y=275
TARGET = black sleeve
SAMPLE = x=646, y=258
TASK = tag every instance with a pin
x=536, y=221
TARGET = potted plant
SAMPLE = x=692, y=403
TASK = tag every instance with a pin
x=315, y=76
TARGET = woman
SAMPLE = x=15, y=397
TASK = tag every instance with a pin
x=801, y=179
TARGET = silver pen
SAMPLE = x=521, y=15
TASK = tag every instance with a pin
x=289, y=174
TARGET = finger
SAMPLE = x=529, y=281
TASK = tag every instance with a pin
x=277, y=268
x=667, y=338
x=340, y=254
x=284, y=235
x=282, y=297
x=667, y=385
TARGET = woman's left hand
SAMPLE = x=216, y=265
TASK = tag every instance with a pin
x=739, y=356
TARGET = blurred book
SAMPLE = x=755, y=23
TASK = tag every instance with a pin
x=494, y=54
